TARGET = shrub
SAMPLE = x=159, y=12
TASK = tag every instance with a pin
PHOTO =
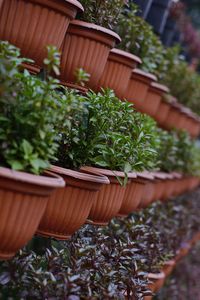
x=104, y=13
x=29, y=111
x=112, y=135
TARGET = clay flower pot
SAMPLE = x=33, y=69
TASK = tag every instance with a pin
x=162, y=112
x=31, y=25
x=175, y=117
x=109, y=200
x=149, y=188
x=193, y=182
x=118, y=71
x=160, y=180
x=169, y=187
x=23, y=199
x=138, y=87
x=157, y=280
x=168, y=267
x=183, y=251
x=86, y=46
x=153, y=98
x=133, y=195
x=69, y=207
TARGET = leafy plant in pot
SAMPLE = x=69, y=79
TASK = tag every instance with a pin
x=49, y=29
x=89, y=40
x=69, y=207
x=28, y=141
x=122, y=140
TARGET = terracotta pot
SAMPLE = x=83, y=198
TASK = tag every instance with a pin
x=86, y=46
x=153, y=98
x=162, y=112
x=69, y=207
x=160, y=180
x=169, y=187
x=157, y=279
x=33, y=24
x=168, y=267
x=193, y=182
x=23, y=199
x=195, y=239
x=183, y=251
x=149, y=188
x=80, y=89
x=133, y=196
x=175, y=117
x=118, y=71
x=109, y=200
x=138, y=87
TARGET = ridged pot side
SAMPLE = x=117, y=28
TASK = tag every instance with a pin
x=86, y=46
x=107, y=203
x=118, y=71
x=68, y=208
x=32, y=25
x=23, y=199
x=138, y=87
x=162, y=112
x=148, y=194
x=132, y=198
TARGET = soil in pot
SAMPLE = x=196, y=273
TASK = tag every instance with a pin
x=153, y=98
x=23, y=199
x=109, y=200
x=86, y=46
x=118, y=71
x=31, y=25
x=138, y=87
x=69, y=207
x=133, y=196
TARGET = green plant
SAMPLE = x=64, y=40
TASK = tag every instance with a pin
x=81, y=77
x=110, y=135
x=177, y=152
x=29, y=112
x=104, y=13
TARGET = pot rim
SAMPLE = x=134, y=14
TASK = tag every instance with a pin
x=160, y=87
x=74, y=3
x=50, y=180
x=97, y=28
x=106, y=172
x=160, y=275
x=97, y=178
x=126, y=54
x=144, y=74
x=145, y=175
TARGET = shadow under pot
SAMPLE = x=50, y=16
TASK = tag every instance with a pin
x=133, y=195
x=138, y=87
x=153, y=98
x=108, y=201
x=23, y=200
x=31, y=25
x=86, y=46
x=148, y=192
x=69, y=207
x=118, y=71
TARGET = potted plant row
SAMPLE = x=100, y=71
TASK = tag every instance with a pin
x=94, y=130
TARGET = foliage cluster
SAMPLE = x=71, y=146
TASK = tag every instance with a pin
x=104, y=13
x=105, y=263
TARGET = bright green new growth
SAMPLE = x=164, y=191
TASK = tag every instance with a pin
x=108, y=133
